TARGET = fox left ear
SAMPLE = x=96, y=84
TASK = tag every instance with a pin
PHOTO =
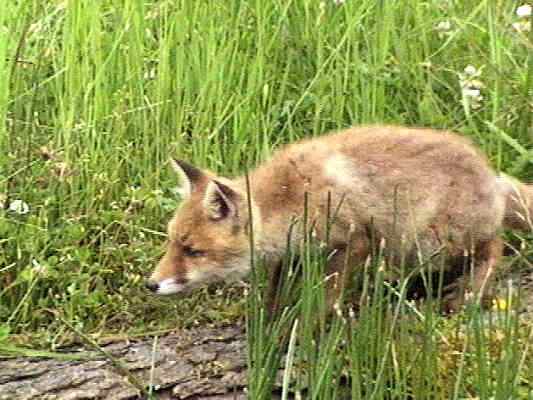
x=189, y=176
x=220, y=201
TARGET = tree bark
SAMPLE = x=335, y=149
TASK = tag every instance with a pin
x=205, y=363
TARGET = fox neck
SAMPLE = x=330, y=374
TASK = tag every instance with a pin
x=272, y=231
x=272, y=236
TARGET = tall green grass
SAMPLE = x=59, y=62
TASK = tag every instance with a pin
x=390, y=348
x=95, y=96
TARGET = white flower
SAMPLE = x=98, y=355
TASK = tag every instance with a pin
x=444, y=26
x=472, y=96
x=523, y=11
x=339, y=2
x=522, y=26
x=473, y=93
x=38, y=268
x=471, y=86
x=150, y=74
x=19, y=207
x=337, y=309
x=471, y=70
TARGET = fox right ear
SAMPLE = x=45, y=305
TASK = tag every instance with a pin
x=188, y=176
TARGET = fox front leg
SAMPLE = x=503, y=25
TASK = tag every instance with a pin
x=345, y=260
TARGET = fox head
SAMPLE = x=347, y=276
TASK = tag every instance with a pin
x=207, y=236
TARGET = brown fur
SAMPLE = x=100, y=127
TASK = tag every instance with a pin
x=419, y=190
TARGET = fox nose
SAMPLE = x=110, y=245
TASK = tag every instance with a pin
x=151, y=285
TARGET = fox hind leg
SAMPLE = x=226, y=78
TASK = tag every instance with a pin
x=476, y=284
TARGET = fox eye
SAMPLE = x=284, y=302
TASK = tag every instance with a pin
x=190, y=252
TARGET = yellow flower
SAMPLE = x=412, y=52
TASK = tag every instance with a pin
x=499, y=304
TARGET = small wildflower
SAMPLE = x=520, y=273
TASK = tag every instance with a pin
x=470, y=70
x=339, y=2
x=499, y=304
x=473, y=97
x=337, y=309
x=443, y=28
x=150, y=74
x=524, y=11
x=522, y=26
x=19, y=207
x=473, y=93
x=38, y=268
x=471, y=86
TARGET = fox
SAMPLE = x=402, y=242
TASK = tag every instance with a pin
x=418, y=190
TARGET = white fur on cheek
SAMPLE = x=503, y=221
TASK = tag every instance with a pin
x=213, y=273
x=196, y=276
x=169, y=286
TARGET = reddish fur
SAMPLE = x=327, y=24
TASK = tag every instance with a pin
x=418, y=189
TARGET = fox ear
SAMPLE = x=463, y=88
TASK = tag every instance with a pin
x=188, y=176
x=220, y=201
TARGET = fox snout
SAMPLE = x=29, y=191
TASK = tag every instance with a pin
x=169, y=276
x=166, y=286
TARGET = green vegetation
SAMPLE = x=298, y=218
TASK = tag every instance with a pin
x=392, y=348
x=96, y=95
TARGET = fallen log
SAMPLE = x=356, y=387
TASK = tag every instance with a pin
x=204, y=363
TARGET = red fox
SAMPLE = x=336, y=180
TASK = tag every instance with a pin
x=417, y=189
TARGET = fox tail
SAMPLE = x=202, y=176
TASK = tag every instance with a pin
x=519, y=204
